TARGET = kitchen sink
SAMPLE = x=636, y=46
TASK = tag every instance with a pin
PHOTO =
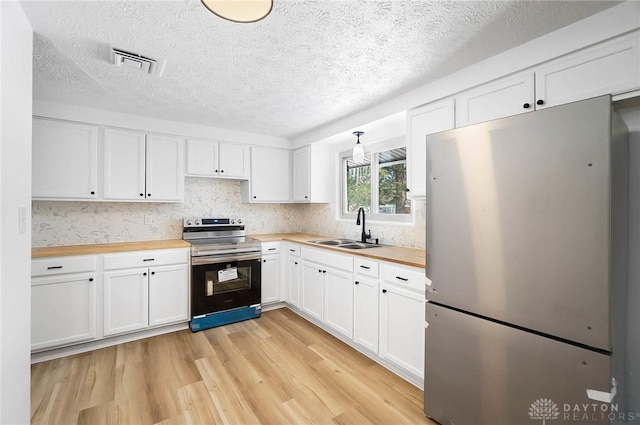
x=346, y=243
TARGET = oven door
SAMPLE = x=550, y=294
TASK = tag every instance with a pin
x=221, y=283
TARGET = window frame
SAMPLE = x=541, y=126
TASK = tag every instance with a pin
x=373, y=217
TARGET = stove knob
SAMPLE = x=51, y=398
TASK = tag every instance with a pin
x=233, y=221
x=239, y=221
x=188, y=222
x=197, y=222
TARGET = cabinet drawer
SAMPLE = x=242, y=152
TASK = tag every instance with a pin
x=365, y=267
x=145, y=258
x=336, y=261
x=410, y=278
x=293, y=250
x=62, y=265
x=270, y=248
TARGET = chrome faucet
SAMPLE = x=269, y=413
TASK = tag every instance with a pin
x=365, y=235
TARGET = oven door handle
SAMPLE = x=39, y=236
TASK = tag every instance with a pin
x=234, y=251
x=196, y=261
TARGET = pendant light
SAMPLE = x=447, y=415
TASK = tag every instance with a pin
x=243, y=11
x=358, y=149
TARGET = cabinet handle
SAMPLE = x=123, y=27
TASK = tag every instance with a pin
x=254, y=197
x=292, y=250
x=526, y=106
x=54, y=267
x=222, y=171
x=384, y=291
x=148, y=195
x=90, y=279
x=407, y=190
x=306, y=197
x=404, y=279
x=365, y=267
x=93, y=192
x=149, y=259
x=357, y=283
x=295, y=262
x=319, y=271
x=540, y=102
x=324, y=271
x=215, y=171
x=153, y=273
x=271, y=249
x=142, y=194
x=144, y=274
x=264, y=261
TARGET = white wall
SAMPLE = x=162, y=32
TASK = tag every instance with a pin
x=16, y=39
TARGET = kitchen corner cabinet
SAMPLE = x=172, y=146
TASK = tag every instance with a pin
x=611, y=67
x=63, y=301
x=312, y=174
x=65, y=160
x=270, y=180
x=138, y=166
x=144, y=289
x=270, y=280
x=207, y=158
x=402, y=308
x=423, y=120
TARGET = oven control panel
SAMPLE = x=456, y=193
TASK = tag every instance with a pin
x=209, y=222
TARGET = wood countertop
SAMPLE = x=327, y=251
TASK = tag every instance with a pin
x=394, y=254
x=106, y=248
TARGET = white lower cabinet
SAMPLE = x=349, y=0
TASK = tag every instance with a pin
x=294, y=273
x=168, y=294
x=312, y=289
x=366, y=313
x=338, y=301
x=126, y=301
x=270, y=276
x=402, y=307
x=63, y=310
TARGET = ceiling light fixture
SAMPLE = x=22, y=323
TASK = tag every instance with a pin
x=358, y=149
x=243, y=11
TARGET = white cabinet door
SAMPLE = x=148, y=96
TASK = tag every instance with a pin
x=608, y=68
x=202, y=158
x=293, y=280
x=338, y=301
x=366, y=313
x=504, y=97
x=168, y=294
x=402, y=328
x=63, y=310
x=126, y=301
x=165, y=179
x=301, y=184
x=270, y=279
x=234, y=161
x=65, y=160
x=312, y=290
x=270, y=176
x=426, y=119
x=124, y=165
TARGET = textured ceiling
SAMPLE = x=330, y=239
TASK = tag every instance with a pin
x=306, y=64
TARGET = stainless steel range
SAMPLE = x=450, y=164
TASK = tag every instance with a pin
x=225, y=272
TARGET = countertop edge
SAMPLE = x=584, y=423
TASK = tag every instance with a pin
x=106, y=248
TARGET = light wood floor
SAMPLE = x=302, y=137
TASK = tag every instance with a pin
x=277, y=369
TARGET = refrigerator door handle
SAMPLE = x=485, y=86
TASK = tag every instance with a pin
x=603, y=396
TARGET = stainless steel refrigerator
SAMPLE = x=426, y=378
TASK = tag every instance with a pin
x=527, y=255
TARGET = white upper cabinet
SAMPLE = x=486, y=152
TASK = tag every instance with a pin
x=142, y=167
x=165, y=179
x=270, y=176
x=506, y=96
x=124, y=165
x=65, y=160
x=607, y=68
x=206, y=158
x=423, y=120
x=612, y=68
x=313, y=172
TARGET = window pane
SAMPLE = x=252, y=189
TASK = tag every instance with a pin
x=358, y=185
x=392, y=182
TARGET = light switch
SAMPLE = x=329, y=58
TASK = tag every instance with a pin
x=22, y=219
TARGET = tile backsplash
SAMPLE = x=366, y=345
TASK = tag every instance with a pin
x=73, y=223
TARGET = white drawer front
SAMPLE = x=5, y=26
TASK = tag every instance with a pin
x=62, y=265
x=321, y=256
x=365, y=267
x=293, y=250
x=145, y=258
x=408, y=277
x=270, y=248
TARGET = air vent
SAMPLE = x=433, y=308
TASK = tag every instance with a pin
x=136, y=61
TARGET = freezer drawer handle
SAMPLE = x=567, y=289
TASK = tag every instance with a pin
x=404, y=279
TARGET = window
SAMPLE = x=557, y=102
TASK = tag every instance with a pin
x=378, y=184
